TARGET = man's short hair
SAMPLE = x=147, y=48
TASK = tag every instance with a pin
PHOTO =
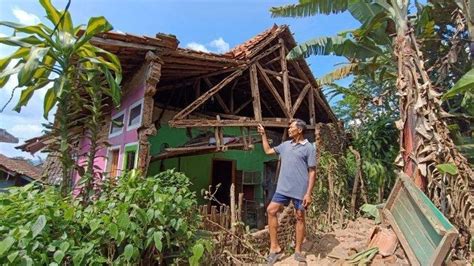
x=299, y=123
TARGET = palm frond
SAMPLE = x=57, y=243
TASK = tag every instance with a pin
x=307, y=8
x=338, y=73
x=334, y=46
x=364, y=11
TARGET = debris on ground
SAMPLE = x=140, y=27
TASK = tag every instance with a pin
x=341, y=245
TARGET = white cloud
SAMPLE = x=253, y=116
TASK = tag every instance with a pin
x=197, y=47
x=215, y=46
x=25, y=17
x=220, y=45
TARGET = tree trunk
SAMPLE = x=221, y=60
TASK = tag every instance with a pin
x=424, y=137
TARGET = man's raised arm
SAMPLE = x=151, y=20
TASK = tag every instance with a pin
x=266, y=146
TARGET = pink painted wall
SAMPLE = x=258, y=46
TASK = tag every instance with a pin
x=125, y=137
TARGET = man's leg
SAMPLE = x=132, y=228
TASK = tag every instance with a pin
x=272, y=211
x=300, y=229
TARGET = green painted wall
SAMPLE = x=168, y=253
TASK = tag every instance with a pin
x=198, y=168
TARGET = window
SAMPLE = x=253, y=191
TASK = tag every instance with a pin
x=130, y=160
x=130, y=156
x=116, y=126
x=135, y=115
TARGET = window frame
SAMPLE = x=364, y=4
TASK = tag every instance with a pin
x=108, y=165
x=111, y=135
x=133, y=146
x=137, y=125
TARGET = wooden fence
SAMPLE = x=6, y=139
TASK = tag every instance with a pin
x=215, y=214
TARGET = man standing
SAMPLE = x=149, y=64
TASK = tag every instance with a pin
x=295, y=183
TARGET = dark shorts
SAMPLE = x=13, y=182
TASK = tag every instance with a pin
x=285, y=200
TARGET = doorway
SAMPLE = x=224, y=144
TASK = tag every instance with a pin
x=223, y=174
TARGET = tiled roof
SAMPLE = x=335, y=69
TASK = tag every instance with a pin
x=243, y=50
x=20, y=167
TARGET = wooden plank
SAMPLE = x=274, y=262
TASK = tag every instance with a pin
x=102, y=41
x=273, y=90
x=279, y=75
x=300, y=98
x=257, y=108
x=444, y=248
x=401, y=237
x=205, y=57
x=434, y=216
x=219, y=99
x=241, y=204
x=183, y=123
x=244, y=139
x=425, y=234
x=203, y=98
x=265, y=53
x=286, y=83
x=312, y=107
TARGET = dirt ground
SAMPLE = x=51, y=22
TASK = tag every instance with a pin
x=334, y=247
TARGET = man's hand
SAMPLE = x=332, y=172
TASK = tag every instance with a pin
x=261, y=129
x=307, y=201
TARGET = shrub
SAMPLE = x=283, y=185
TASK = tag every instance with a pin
x=138, y=220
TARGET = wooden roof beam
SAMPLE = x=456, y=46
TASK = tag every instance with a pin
x=300, y=98
x=218, y=97
x=123, y=44
x=183, y=123
x=273, y=90
x=199, y=101
x=286, y=82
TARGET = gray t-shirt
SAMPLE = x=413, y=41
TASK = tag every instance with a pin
x=296, y=158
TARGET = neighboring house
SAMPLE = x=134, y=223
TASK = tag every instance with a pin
x=197, y=112
x=7, y=137
x=17, y=172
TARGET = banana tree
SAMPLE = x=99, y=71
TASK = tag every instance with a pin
x=51, y=58
x=424, y=136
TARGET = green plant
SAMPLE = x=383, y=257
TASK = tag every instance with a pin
x=330, y=193
x=56, y=55
x=137, y=221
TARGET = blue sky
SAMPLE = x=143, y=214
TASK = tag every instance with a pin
x=213, y=25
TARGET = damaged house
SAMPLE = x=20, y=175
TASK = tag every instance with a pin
x=197, y=112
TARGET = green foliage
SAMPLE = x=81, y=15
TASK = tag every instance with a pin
x=331, y=191
x=60, y=55
x=137, y=221
x=447, y=168
x=371, y=211
x=310, y=8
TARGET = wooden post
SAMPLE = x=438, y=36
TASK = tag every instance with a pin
x=241, y=204
x=312, y=111
x=232, y=215
x=217, y=135
x=257, y=109
x=232, y=208
x=286, y=84
x=213, y=215
x=152, y=77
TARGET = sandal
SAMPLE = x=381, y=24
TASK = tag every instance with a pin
x=299, y=257
x=274, y=257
